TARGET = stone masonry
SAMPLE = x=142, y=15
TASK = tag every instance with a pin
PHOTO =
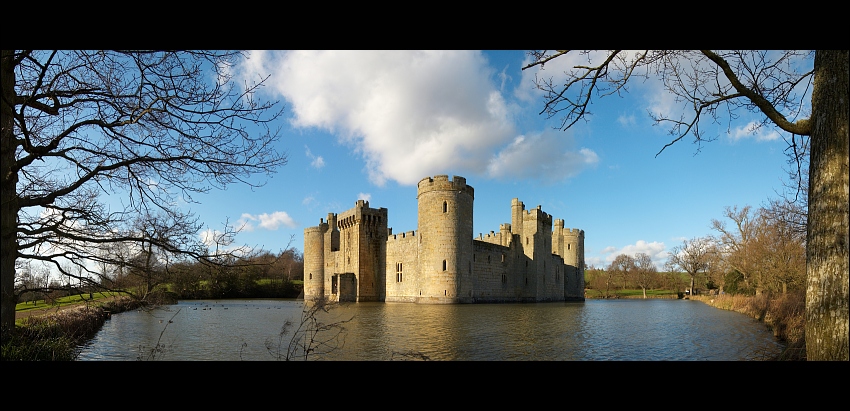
x=354, y=256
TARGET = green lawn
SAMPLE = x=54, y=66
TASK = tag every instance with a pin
x=71, y=299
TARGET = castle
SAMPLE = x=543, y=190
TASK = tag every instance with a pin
x=354, y=256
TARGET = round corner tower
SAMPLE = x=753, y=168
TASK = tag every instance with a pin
x=314, y=261
x=574, y=260
x=445, y=239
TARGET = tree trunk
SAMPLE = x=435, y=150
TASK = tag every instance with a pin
x=827, y=234
x=693, y=278
x=8, y=195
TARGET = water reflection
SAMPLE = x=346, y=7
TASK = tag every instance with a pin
x=644, y=330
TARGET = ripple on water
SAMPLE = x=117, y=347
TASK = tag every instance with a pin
x=596, y=330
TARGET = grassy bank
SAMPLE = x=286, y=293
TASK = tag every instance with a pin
x=784, y=314
x=632, y=293
x=55, y=336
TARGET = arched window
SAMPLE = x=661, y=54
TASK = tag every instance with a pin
x=445, y=207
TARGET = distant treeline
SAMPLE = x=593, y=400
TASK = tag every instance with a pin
x=154, y=279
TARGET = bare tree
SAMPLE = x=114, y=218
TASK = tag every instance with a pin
x=780, y=247
x=151, y=127
x=622, y=269
x=645, y=272
x=765, y=247
x=738, y=244
x=693, y=257
x=715, y=87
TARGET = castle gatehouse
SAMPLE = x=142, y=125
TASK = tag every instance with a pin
x=354, y=255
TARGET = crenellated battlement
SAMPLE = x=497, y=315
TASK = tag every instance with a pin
x=442, y=183
x=363, y=215
x=319, y=229
x=538, y=216
x=402, y=236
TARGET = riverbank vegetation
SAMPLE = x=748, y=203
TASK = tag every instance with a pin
x=56, y=335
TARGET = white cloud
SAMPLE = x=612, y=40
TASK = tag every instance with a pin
x=754, y=130
x=364, y=196
x=594, y=262
x=544, y=156
x=267, y=221
x=209, y=237
x=315, y=161
x=656, y=250
x=627, y=120
x=409, y=114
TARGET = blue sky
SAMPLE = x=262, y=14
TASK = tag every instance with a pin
x=370, y=125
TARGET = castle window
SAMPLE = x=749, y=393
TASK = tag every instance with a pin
x=398, y=275
x=311, y=276
x=444, y=265
x=503, y=258
x=568, y=246
x=488, y=259
x=445, y=207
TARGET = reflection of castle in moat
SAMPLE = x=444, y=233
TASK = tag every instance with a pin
x=355, y=257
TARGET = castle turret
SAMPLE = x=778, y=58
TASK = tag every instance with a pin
x=505, y=232
x=445, y=235
x=314, y=261
x=573, y=253
x=517, y=212
x=363, y=236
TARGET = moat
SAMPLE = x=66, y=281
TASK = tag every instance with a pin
x=594, y=330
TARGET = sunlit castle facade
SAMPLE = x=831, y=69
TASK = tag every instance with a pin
x=354, y=256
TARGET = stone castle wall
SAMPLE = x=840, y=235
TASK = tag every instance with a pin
x=355, y=257
x=402, y=268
